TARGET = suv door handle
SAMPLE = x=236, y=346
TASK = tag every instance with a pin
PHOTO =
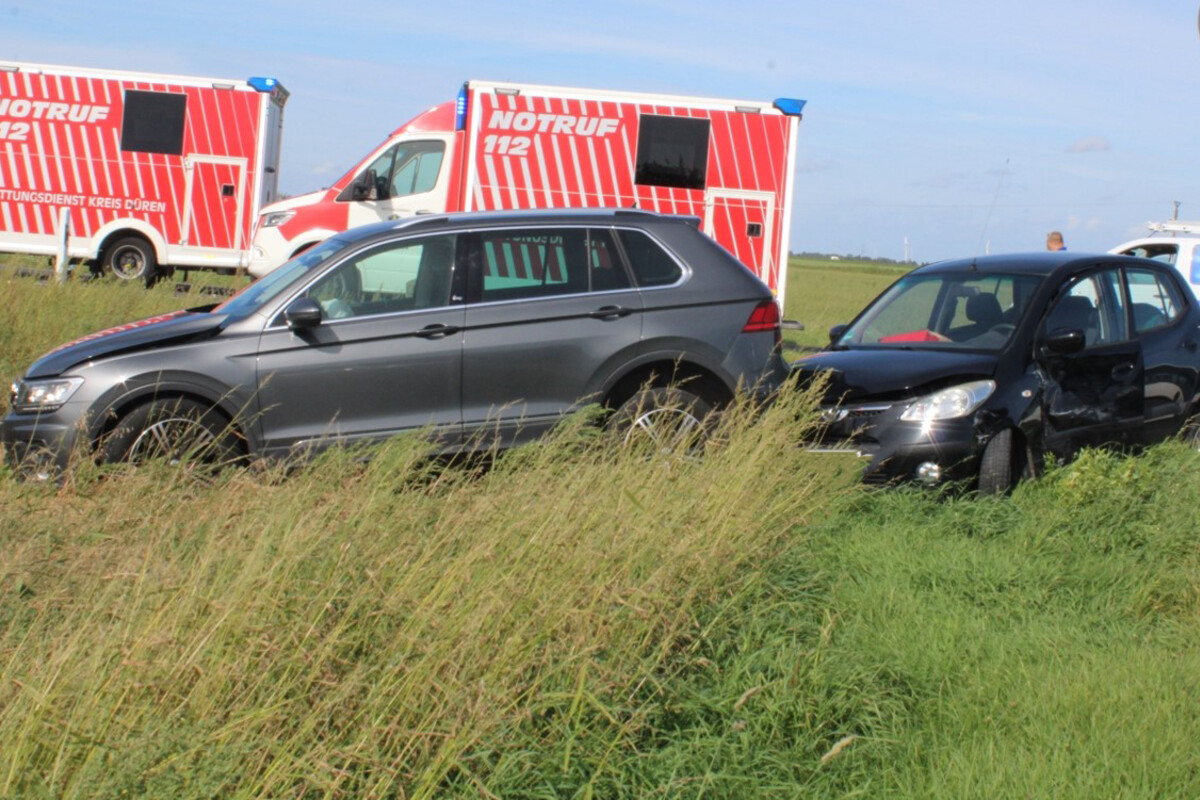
x=610, y=312
x=437, y=331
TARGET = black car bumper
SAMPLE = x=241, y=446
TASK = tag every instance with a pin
x=898, y=450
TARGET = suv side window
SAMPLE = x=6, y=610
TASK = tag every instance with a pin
x=519, y=263
x=1154, y=299
x=409, y=275
x=652, y=266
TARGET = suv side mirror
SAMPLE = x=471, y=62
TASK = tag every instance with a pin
x=836, y=332
x=1063, y=342
x=303, y=313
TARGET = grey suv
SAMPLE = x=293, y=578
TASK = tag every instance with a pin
x=496, y=323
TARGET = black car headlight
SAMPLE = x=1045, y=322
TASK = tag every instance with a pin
x=952, y=403
x=40, y=396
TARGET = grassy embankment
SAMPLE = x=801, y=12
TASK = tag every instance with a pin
x=579, y=623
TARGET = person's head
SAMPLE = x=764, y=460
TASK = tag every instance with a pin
x=1054, y=241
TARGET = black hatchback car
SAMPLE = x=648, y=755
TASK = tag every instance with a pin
x=468, y=325
x=977, y=369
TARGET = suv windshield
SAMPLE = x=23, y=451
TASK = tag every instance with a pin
x=250, y=299
x=965, y=310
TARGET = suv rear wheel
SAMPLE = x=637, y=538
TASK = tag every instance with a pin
x=665, y=420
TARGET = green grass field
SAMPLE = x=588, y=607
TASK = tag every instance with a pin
x=580, y=622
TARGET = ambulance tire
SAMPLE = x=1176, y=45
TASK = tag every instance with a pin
x=131, y=259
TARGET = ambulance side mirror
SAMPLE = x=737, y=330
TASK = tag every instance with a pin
x=365, y=186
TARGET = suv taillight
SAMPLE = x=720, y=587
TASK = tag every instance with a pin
x=765, y=317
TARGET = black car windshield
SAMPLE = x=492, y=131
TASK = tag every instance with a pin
x=963, y=310
x=267, y=288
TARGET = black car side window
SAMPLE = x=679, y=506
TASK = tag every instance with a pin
x=652, y=266
x=1093, y=304
x=1155, y=300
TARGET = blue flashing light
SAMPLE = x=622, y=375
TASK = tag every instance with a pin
x=790, y=106
x=262, y=84
x=460, y=109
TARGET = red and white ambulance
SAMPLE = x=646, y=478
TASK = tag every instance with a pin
x=133, y=170
x=517, y=146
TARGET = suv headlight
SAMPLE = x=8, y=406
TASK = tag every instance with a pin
x=957, y=401
x=40, y=396
x=276, y=218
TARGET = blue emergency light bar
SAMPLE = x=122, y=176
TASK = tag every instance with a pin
x=790, y=106
x=262, y=84
x=460, y=109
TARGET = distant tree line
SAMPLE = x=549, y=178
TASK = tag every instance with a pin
x=849, y=257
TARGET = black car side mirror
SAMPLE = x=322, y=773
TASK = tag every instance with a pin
x=836, y=332
x=303, y=313
x=1063, y=342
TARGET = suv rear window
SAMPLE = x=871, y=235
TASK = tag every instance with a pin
x=652, y=266
x=517, y=263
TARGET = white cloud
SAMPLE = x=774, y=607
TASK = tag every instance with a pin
x=1090, y=144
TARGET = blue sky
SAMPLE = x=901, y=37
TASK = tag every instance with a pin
x=964, y=127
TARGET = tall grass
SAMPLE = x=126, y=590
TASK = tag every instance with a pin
x=40, y=315
x=581, y=621
x=364, y=629
x=915, y=646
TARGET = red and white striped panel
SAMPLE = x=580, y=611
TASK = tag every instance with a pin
x=540, y=151
x=75, y=159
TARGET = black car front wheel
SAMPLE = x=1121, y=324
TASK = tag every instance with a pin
x=1006, y=461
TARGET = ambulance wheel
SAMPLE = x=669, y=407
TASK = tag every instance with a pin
x=131, y=259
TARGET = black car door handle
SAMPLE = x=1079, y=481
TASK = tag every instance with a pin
x=610, y=312
x=1189, y=345
x=1122, y=371
x=437, y=331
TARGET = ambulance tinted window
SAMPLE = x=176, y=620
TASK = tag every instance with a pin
x=652, y=266
x=153, y=122
x=672, y=151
